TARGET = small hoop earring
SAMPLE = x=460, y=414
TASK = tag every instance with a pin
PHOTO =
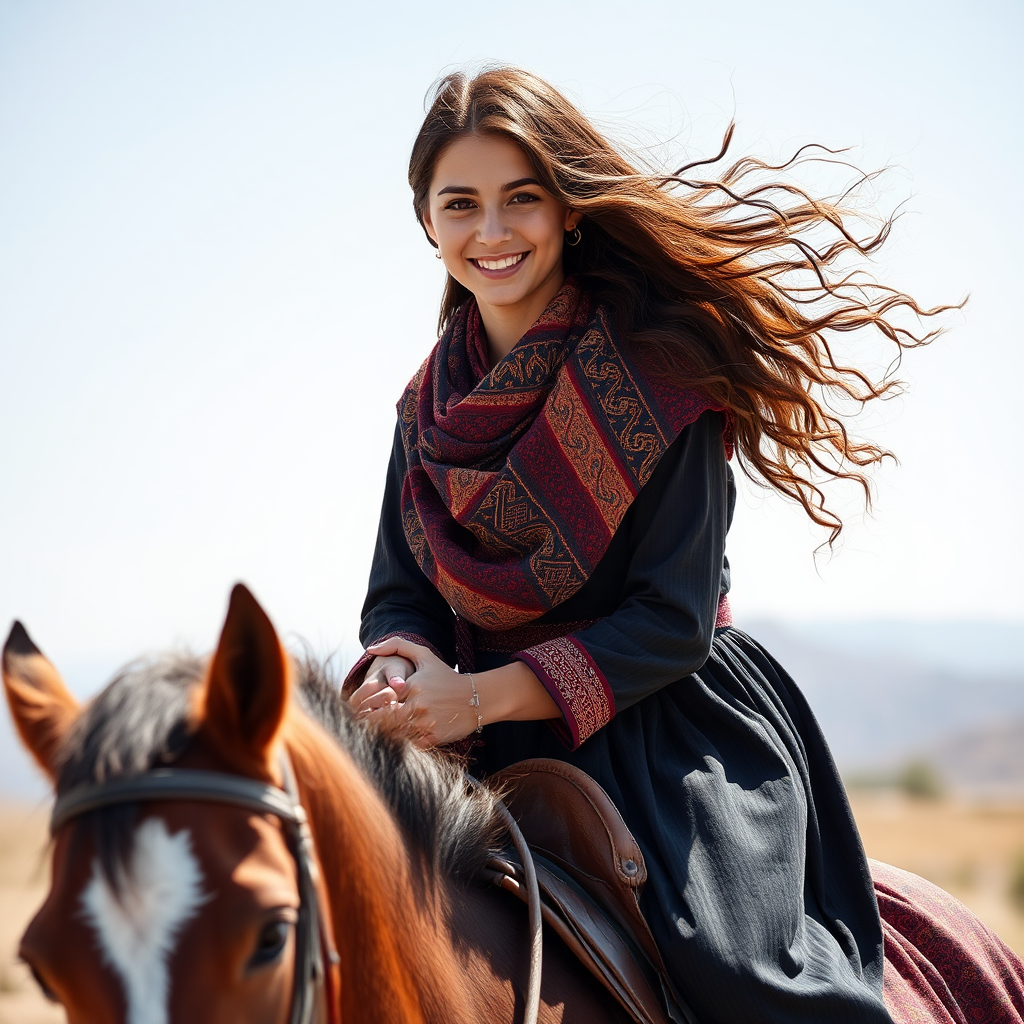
x=437, y=255
x=575, y=238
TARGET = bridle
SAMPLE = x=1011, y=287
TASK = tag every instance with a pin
x=311, y=998
x=312, y=1001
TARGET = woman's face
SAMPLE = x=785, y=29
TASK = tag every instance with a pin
x=498, y=230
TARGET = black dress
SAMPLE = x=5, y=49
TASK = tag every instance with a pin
x=758, y=892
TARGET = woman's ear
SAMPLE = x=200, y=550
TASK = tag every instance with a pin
x=572, y=219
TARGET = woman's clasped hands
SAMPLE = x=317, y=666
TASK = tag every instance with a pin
x=420, y=694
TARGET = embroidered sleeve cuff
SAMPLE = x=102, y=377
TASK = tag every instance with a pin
x=358, y=670
x=576, y=685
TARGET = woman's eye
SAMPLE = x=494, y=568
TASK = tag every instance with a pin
x=270, y=943
x=459, y=204
x=524, y=197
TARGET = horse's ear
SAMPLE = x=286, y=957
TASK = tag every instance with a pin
x=243, y=701
x=42, y=706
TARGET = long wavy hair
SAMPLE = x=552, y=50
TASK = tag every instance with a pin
x=738, y=285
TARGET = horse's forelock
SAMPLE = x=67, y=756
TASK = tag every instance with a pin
x=141, y=720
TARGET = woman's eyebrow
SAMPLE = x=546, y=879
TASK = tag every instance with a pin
x=468, y=190
x=519, y=183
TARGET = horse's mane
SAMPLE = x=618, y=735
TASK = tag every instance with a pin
x=144, y=719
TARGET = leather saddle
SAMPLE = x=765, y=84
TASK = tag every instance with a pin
x=591, y=874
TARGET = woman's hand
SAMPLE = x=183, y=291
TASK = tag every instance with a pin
x=380, y=686
x=432, y=702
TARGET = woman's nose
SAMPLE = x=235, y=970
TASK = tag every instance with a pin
x=493, y=228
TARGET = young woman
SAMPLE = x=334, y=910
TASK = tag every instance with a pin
x=556, y=510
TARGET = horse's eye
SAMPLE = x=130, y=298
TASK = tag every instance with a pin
x=270, y=942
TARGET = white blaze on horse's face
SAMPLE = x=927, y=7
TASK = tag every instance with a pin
x=139, y=923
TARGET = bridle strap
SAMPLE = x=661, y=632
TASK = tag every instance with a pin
x=312, y=942
x=311, y=1002
x=177, y=784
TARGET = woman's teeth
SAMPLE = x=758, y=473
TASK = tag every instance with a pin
x=508, y=261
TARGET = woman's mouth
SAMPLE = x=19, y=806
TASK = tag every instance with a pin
x=500, y=265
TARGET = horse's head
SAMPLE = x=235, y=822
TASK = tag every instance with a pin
x=168, y=910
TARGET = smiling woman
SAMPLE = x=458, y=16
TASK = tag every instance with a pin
x=499, y=232
x=550, y=571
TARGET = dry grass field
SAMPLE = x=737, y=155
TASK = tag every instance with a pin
x=971, y=850
x=23, y=879
x=968, y=850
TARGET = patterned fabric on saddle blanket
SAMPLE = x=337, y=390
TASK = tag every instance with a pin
x=942, y=965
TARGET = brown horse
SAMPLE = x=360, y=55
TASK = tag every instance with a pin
x=183, y=910
x=189, y=893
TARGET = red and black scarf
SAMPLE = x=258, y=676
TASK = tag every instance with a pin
x=518, y=476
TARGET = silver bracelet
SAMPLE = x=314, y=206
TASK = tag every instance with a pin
x=474, y=702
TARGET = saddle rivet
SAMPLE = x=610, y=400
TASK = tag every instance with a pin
x=630, y=867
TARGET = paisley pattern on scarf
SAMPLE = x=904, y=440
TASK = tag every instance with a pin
x=517, y=480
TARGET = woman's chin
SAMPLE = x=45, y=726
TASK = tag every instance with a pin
x=524, y=290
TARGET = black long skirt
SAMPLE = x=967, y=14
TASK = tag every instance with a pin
x=758, y=891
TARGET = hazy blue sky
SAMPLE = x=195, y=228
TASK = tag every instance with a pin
x=212, y=288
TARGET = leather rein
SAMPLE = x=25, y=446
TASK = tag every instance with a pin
x=311, y=1003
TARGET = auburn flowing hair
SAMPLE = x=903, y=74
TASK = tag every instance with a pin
x=738, y=285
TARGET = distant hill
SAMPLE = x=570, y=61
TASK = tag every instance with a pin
x=986, y=648
x=880, y=701
x=950, y=695
x=984, y=762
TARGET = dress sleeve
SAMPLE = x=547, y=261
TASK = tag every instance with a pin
x=400, y=600
x=663, y=627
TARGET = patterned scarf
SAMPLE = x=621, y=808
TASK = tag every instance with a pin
x=518, y=476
